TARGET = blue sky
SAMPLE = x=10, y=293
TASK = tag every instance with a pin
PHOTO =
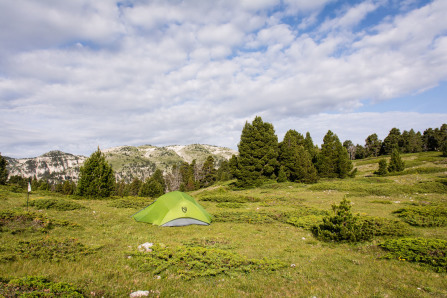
x=75, y=75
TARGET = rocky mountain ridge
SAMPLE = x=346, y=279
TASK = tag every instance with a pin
x=127, y=161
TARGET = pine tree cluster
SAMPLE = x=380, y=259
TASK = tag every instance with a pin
x=296, y=159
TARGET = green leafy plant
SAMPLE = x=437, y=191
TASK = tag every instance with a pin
x=424, y=216
x=56, y=204
x=343, y=226
x=37, y=286
x=192, y=262
x=432, y=252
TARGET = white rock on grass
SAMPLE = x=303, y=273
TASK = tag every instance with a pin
x=139, y=294
x=145, y=247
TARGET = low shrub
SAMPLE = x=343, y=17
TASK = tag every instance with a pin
x=52, y=249
x=130, y=202
x=305, y=222
x=385, y=227
x=424, y=216
x=432, y=252
x=192, y=262
x=56, y=204
x=343, y=226
x=37, y=286
x=382, y=202
x=219, y=198
x=243, y=217
x=262, y=217
x=230, y=205
x=14, y=221
x=209, y=243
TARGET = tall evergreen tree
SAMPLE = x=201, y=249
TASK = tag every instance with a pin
x=158, y=176
x=288, y=153
x=310, y=147
x=208, y=172
x=295, y=160
x=151, y=188
x=333, y=160
x=396, y=163
x=96, y=177
x=258, y=153
x=373, y=145
x=383, y=168
x=392, y=141
x=224, y=172
x=3, y=170
x=134, y=187
x=360, y=152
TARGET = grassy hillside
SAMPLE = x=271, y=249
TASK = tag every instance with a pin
x=259, y=243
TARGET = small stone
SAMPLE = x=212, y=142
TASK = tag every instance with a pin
x=145, y=247
x=139, y=294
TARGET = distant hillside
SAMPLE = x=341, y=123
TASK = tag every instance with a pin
x=127, y=161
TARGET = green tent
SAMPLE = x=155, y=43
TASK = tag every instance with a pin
x=174, y=209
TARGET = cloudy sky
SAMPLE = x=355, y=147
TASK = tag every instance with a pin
x=78, y=74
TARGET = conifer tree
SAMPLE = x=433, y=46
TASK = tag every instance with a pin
x=295, y=160
x=282, y=177
x=392, y=141
x=151, y=188
x=96, y=177
x=134, y=187
x=158, y=176
x=3, y=170
x=310, y=147
x=333, y=160
x=372, y=145
x=396, y=163
x=208, y=172
x=258, y=153
x=224, y=172
x=383, y=167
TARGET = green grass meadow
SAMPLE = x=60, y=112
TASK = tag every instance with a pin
x=259, y=244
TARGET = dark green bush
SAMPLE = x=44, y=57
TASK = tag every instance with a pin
x=20, y=221
x=230, y=205
x=52, y=249
x=305, y=222
x=37, y=286
x=432, y=252
x=219, y=198
x=243, y=217
x=385, y=227
x=130, y=202
x=343, y=226
x=56, y=204
x=424, y=216
x=191, y=262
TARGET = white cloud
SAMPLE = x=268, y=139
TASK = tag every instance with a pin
x=167, y=72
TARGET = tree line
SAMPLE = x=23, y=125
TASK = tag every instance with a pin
x=261, y=158
x=405, y=142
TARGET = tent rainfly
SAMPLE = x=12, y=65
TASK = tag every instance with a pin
x=174, y=209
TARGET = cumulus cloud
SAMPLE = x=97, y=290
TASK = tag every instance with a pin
x=168, y=72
